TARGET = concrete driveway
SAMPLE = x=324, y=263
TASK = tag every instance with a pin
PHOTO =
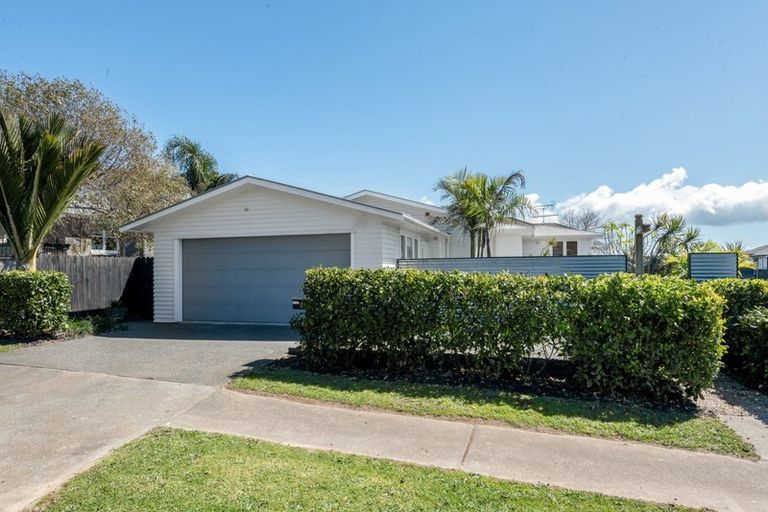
x=64, y=405
x=191, y=353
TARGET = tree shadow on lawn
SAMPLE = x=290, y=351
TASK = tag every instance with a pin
x=495, y=398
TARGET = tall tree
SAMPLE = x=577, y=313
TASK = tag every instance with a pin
x=129, y=162
x=478, y=204
x=42, y=166
x=197, y=165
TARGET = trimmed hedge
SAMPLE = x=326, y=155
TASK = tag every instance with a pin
x=409, y=317
x=33, y=304
x=656, y=336
x=745, y=303
x=625, y=335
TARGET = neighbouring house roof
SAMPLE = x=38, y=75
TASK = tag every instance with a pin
x=381, y=195
x=141, y=223
x=759, y=251
x=549, y=229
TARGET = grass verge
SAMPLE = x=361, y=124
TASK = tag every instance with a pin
x=670, y=427
x=175, y=470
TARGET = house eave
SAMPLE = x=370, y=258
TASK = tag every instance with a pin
x=140, y=224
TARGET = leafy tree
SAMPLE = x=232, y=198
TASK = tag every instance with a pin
x=197, y=165
x=42, y=166
x=669, y=236
x=478, y=204
x=129, y=162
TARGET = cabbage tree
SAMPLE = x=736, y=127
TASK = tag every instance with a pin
x=42, y=166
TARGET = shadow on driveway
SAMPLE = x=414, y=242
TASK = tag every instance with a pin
x=203, y=331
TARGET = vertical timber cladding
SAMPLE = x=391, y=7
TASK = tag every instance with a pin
x=252, y=279
x=712, y=265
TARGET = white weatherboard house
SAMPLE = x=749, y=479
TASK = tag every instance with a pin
x=760, y=255
x=239, y=252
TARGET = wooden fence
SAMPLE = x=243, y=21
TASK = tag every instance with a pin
x=100, y=281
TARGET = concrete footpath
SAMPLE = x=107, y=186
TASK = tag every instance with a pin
x=55, y=423
x=610, y=467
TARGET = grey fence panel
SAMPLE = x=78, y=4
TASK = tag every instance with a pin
x=703, y=266
x=588, y=266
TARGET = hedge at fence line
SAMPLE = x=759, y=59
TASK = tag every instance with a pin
x=625, y=335
x=33, y=303
x=657, y=336
x=410, y=317
x=745, y=334
x=751, y=334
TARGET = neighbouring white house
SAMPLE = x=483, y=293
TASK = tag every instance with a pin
x=239, y=252
x=760, y=255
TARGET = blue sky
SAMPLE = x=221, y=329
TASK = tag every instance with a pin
x=339, y=96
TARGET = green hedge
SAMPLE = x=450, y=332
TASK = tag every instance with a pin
x=657, y=336
x=745, y=335
x=752, y=336
x=410, y=317
x=626, y=335
x=33, y=303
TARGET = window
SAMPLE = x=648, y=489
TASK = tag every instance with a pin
x=409, y=247
x=103, y=245
x=565, y=249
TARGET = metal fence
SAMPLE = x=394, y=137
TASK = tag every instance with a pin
x=588, y=266
x=703, y=266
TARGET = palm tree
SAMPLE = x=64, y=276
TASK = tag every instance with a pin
x=478, y=204
x=42, y=166
x=198, y=166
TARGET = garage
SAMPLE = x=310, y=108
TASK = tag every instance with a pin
x=252, y=279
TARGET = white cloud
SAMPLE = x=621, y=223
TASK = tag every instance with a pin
x=710, y=205
x=426, y=200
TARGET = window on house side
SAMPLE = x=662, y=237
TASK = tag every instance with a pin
x=557, y=249
x=571, y=249
x=409, y=248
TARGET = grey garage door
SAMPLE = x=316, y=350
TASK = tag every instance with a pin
x=252, y=279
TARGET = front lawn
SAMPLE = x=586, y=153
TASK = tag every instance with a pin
x=174, y=470
x=671, y=427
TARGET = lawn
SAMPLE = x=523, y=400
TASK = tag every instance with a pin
x=671, y=427
x=175, y=470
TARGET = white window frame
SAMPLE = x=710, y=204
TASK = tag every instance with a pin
x=410, y=247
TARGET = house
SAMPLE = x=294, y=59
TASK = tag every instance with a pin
x=760, y=255
x=238, y=253
x=519, y=238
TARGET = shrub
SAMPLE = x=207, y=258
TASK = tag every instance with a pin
x=751, y=335
x=33, y=304
x=657, y=336
x=741, y=296
x=407, y=318
x=651, y=336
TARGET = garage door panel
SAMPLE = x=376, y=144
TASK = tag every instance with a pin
x=252, y=279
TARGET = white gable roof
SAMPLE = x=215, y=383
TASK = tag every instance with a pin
x=137, y=225
x=396, y=199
